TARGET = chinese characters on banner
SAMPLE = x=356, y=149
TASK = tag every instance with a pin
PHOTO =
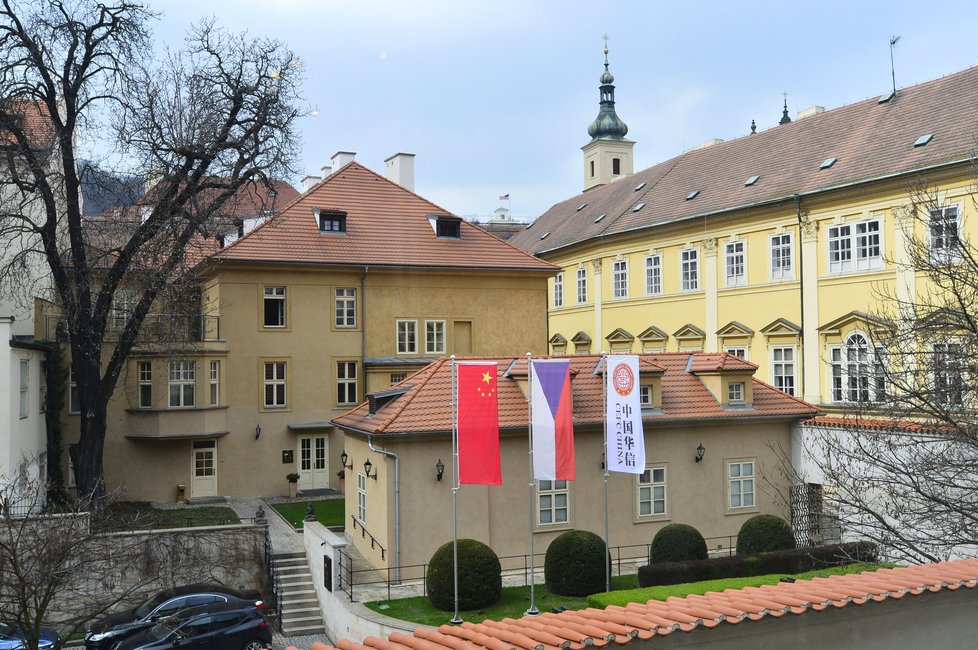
x=626, y=439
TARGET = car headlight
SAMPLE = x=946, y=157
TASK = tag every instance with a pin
x=95, y=638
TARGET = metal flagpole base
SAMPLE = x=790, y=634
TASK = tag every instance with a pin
x=457, y=620
x=533, y=611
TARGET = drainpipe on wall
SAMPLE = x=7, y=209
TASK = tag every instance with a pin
x=397, y=503
x=363, y=327
x=801, y=294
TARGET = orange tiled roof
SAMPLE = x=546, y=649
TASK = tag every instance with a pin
x=574, y=630
x=426, y=406
x=386, y=225
x=718, y=361
x=869, y=139
x=881, y=424
x=36, y=123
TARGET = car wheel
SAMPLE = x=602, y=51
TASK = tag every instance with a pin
x=254, y=644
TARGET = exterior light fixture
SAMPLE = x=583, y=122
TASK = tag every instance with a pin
x=257, y=431
x=367, y=466
x=439, y=469
x=700, y=452
x=345, y=457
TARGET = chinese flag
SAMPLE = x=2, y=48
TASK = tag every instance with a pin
x=478, y=424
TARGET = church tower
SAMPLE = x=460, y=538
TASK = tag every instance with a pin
x=608, y=156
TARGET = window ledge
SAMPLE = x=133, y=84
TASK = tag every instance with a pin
x=546, y=528
x=741, y=511
x=651, y=519
x=175, y=409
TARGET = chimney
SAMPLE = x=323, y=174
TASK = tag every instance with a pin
x=327, y=170
x=400, y=170
x=808, y=112
x=341, y=158
x=308, y=181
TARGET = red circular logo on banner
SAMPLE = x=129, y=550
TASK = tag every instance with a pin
x=623, y=379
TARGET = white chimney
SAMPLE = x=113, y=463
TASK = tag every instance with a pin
x=400, y=170
x=341, y=158
x=327, y=170
x=808, y=112
x=308, y=181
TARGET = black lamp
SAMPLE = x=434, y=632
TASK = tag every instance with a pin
x=700, y=452
x=439, y=469
x=345, y=457
x=367, y=466
x=257, y=431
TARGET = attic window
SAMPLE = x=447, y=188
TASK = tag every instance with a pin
x=637, y=207
x=828, y=162
x=272, y=193
x=752, y=180
x=598, y=218
x=692, y=195
x=639, y=186
x=924, y=139
x=530, y=225
x=448, y=228
x=332, y=222
x=581, y=207
x=887, y=97
x=545, y=235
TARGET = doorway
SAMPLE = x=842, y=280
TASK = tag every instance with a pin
x=313, y=471
x=204, y=480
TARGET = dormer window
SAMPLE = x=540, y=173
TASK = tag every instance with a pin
x=735, y=392
x=448, y=227
x=645, y=396
x=332, y=221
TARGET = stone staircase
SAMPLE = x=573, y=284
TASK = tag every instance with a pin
x=296, y=595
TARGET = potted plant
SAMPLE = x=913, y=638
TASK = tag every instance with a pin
x=293, y=479
x=341, y=475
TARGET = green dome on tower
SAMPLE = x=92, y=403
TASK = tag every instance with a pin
x=607, y=125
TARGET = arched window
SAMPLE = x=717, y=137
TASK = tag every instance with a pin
x=851, y=370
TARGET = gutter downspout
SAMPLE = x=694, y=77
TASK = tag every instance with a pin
x=801, y=293
x=363, y=326
x=397, y=502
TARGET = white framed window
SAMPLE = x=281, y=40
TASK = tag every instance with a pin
x=274, y=307
x=781, y=257
x=346, y=307
x=740, y=484
x=215, y=378
x=851, y=370
x=619, y=278
x=559, y=290
x=25, y=384
x=434, y=337
x=738, y=351
x=407, y=337
x=783, y=369
x=346, y=382
x=855, y=246
x=653, y=275
x=552, y=502
x=735, y=392
x=74, y=399
x=581, y=286
x=948, y=374
x=945, y=224
x=274, y=384
x=362, y=498
x=645, y=395
x=689, y=269
x=398, y=377
x=735, y=263
x=182, y=381
x=144, y=369
x=652, y=492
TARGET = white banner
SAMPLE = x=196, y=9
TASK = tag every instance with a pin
x=626, y=439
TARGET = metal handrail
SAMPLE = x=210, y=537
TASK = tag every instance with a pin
x=364, y=533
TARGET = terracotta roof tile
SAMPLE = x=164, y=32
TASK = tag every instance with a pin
x=35, y=120
x=386, y=225
x=426, y=406
x=870, y=140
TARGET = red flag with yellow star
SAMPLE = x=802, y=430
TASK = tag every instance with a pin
x=478, y=424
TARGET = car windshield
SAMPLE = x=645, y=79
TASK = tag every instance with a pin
x=161, y=630
x=148, y=605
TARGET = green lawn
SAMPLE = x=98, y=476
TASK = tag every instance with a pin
x=141, y=515
x=516, y=600
x=329, y=512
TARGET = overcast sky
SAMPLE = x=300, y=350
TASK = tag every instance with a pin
x=495, y=97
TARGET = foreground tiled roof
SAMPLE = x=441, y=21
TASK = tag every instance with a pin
x=869, y=139
x=573, y=630
x=426, y=406
x=35, y=122
x=386, y=225
x=880, y=424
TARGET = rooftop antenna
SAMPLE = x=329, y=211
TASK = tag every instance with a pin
x=893, y=42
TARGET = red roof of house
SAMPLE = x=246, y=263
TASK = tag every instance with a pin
x=881, y=424
x=386, y=225
x=36, y=123
x=574, y=630
x=426, y=405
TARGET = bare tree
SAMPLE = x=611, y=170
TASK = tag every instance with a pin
x=904, y=465
x=78, y=79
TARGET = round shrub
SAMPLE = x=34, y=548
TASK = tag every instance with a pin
x=480, y=581
x=763, y=533
x=575, y=564
x=677, y=543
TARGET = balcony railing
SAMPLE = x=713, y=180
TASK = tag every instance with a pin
x=157, y=328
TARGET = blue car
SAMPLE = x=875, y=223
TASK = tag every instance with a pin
x=12, y=637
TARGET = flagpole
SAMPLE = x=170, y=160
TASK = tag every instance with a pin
x=607, y=546
x=456, y=619
x=532, y=611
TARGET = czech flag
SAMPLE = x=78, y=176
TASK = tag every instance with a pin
x=478, y=424
x=552, y=420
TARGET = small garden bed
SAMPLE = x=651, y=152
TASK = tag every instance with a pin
x=329, y=512
x=141, y=515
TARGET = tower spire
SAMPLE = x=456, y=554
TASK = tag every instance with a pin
x=607, y=125
x=608, y=156
x=784, y=114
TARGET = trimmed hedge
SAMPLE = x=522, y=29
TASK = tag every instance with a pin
x=763, y=533
x=790, y=561
x=677, y=543
x=575, y=564
x=480, y=581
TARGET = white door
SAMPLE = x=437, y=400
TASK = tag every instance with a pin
x=204, y=482
x=313, y=473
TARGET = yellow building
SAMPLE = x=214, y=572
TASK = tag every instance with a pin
x=781, y=246
x=357, y=283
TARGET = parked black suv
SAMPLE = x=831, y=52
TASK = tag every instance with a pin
x=228, y=626
x=108, y=631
